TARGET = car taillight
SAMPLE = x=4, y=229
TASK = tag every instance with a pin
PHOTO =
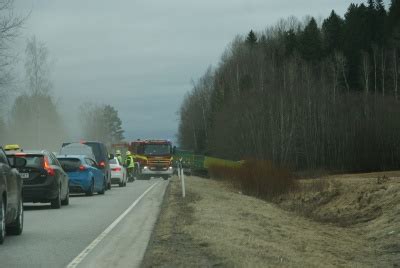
x=47, y=167
x=116, y=169
x=82, y=168
x=102, y=164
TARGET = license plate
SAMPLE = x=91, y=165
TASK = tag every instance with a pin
x=24, y=175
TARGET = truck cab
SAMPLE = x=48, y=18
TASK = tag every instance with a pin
x=154, y=158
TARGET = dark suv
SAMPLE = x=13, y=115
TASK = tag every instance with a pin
x=102, y=158
x=11, y=204
x=44, y=180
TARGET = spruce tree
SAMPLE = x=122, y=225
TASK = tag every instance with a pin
x=251, y=38
x=310, y=42
x=332, y=30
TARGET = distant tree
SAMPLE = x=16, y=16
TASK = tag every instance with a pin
x=332, y=29
x=37, y=67
x=393, y=19
x=113, y=124
x=357, y=38
x=10, y=25
x=251, y=38
x=310, y=42
x=35, y=122
x=101, y=123
x=291, y=44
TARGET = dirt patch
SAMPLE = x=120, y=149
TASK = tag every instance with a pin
x=218, y=227
x=170, y=245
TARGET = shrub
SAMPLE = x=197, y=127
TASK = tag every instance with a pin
x=257, y=178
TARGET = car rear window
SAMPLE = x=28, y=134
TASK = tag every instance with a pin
x=114, y=161
x=96, y=148
x=32, y=161
x=70, y=164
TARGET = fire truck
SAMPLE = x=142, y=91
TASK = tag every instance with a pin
x=153, y=157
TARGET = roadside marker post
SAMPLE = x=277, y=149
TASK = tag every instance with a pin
x=182, y=178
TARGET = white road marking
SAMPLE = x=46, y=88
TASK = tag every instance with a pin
x=78, y=259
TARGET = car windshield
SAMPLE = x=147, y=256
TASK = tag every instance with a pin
x=157, y=149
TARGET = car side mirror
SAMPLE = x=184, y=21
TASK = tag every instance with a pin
x=111, y=156
x=19, y=162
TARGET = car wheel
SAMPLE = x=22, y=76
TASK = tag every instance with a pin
x=103, y=189
x=65, y=202
x=91, y=189
x=2, y=221
x=121, y=184
x=56, y=203
x=18, y=225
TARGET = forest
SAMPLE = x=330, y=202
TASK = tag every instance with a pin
x=304, y=94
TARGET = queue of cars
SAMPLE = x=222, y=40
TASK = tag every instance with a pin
x=42, y=177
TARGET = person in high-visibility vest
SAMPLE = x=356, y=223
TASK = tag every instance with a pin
x=119, y=157
x=130, y=165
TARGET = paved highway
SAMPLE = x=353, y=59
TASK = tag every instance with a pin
x=99, y=231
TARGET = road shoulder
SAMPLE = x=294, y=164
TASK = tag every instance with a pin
x=125, y=245
x=171, y=245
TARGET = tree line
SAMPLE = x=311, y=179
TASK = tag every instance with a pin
x=305, y=94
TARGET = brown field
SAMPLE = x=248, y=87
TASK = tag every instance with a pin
x=338, y=221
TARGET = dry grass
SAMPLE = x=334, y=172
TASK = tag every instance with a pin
x=256, y=178
x=216, y=225
x=248, y=232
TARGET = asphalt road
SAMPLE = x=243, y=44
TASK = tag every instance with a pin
x=57, y=238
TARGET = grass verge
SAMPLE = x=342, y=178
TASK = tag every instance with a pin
x=218, y=226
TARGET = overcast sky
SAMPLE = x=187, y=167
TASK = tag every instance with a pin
x=141, y=55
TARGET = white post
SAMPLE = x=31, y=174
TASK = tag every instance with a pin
x=183, y=182
x=179, y=170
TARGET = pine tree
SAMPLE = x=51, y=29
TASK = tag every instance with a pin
x=310, y=42
x=357, y=38
x=251, y=38
x=332, y=29
x=380, y=19
x=393, y=19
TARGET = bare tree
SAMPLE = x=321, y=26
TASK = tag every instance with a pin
x=383, y=69
x=37, y=67
x=374, y=56
x=10, y=25
x=395, y=73
x=365, y=71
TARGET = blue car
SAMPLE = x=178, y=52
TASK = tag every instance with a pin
x=85, y=175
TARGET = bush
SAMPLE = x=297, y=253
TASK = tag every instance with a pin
x=257, y=178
